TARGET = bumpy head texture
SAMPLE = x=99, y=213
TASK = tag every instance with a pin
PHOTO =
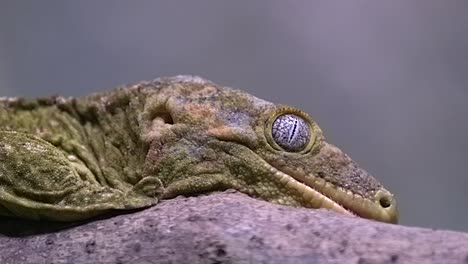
x=203, y=137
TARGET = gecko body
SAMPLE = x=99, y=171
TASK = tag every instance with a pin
x=68, y=159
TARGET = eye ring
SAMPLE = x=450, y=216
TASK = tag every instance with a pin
x=290, y=130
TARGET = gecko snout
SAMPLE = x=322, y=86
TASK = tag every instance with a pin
x=385, y=201
x=388, y=206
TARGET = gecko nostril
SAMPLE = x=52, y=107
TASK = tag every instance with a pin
x=385, y=201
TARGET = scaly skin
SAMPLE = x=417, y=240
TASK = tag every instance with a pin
x=67, y=159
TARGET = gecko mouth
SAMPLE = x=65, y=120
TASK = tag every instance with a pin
x=318, y=193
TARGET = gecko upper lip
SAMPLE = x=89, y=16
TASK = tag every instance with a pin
x=380, y=206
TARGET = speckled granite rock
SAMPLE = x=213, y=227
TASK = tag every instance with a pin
x=227, y=228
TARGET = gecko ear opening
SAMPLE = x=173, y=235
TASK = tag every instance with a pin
x=157, y=110
x=165, y=116
x=156, y=120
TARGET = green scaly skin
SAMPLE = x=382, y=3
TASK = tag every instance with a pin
x=67, y=159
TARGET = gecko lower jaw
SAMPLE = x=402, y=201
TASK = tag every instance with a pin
x=317, y=193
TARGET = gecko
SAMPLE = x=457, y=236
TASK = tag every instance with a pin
x=69, y=159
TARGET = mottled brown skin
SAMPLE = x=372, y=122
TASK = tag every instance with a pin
x=73, y=158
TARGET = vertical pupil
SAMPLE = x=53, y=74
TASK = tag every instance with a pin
x=291, y=132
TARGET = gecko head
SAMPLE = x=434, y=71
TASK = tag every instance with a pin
x=300, y=157
x=274, y=152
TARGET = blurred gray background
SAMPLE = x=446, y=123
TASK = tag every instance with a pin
x=386, y=81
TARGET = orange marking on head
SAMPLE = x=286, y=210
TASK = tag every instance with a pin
x=223, y=132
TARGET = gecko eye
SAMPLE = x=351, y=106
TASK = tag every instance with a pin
x=291, y=132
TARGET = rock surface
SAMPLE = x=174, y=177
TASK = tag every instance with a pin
x=227, y=227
